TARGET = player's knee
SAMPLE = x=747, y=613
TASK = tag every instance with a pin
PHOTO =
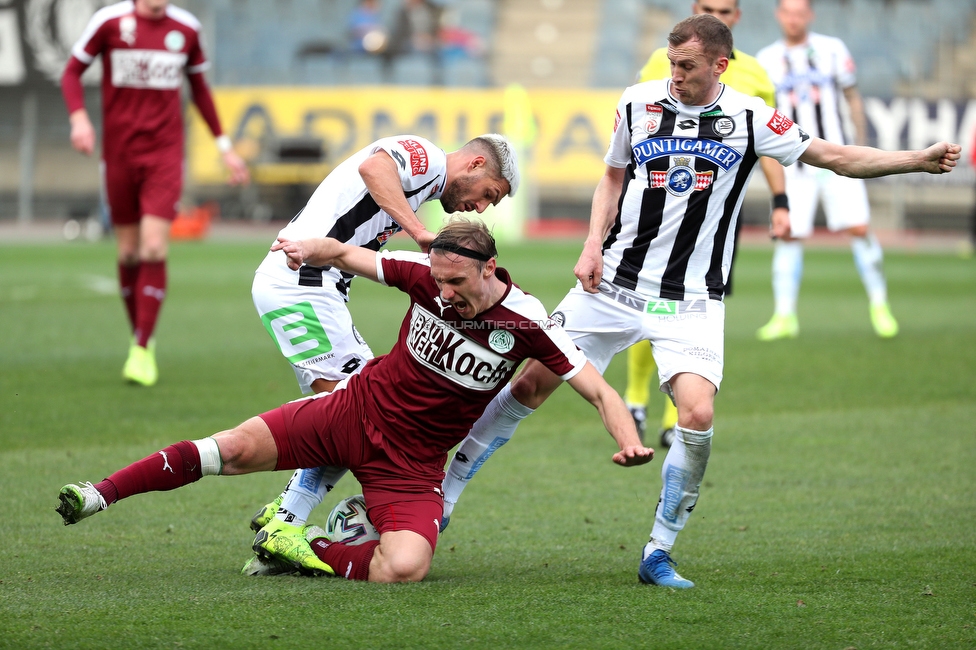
x=401, y=567
x=534, y=384
x=698, y=418
x=858, y=231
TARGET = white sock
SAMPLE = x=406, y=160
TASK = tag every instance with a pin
x=787, y=273
x=868, y=258
x=681, y=474
x=492, y=430
x=210, y=463
x=306, y=490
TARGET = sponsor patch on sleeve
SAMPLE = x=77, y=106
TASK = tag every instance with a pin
x=418, y=157
x=779, y=123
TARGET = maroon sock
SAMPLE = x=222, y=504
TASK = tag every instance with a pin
x=150, y=291
x=127, y=286
x=173, y=467
x=349, y=562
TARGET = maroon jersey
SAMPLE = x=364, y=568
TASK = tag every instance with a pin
x=444, y=370
x=144, y=61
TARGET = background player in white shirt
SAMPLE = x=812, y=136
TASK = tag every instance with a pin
x=814, y=77
x=657, y=257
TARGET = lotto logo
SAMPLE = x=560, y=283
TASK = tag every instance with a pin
x=297, y=331
x=779, y=123
x=418, y=157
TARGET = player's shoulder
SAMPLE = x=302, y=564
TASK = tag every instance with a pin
x=112, y=11
x=183, y=17
x=746, y=62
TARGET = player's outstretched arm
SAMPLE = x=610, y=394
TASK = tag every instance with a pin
x=589, y=268
x=379, y=172
x=868, y=162
x=325, y=251
x=589, y=383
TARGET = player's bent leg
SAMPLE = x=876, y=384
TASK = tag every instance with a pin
x=402, y=556
x=247, y=448
x=493, y=429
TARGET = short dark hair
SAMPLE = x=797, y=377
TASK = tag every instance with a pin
x=715, y=37
x=463, y=236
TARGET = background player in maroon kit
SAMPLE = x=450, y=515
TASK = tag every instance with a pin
x=146, y=47
x=467, y=329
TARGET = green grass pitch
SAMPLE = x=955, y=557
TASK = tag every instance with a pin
x=838, y=511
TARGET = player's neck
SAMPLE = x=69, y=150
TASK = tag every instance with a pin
x=797, y=40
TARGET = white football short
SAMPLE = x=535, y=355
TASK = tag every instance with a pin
x=845, y=200
x=312, y=327
x=687, y=335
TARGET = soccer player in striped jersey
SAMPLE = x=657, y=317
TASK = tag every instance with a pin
x=746, y=75
x=656, y=259
x=815, y=76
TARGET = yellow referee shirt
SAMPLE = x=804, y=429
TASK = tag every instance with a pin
x=744, y=74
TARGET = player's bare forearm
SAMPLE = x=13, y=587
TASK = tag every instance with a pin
x=379, y=173
x=326, y=251
x=868, y=162
x=616, y=418
x=589, y=268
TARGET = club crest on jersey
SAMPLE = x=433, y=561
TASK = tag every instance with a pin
x=127, y=29
x=174, y=41
x=721, y=154
x=681, y=180
x=418, y=157
x=723, y=126
x=654, y=115
x=501, y=341
x=444, y=350
x=779, y=123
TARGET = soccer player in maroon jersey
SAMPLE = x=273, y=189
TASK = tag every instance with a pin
x=467, y=329
x=146, y=47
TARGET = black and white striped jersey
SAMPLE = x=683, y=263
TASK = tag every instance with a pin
x=686, y=173
x=809, y=81
x=342, y=208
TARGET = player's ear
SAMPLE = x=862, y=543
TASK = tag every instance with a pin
x=489, y=269
x=476, y=162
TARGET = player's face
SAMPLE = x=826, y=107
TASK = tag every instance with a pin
x=461, y=283
x=473, y=191
x=151, y=8
x=694, y=76
x=724, y=10
x=794, y=18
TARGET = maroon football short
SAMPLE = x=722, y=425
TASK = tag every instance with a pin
x=331, y=429
x=137, y=186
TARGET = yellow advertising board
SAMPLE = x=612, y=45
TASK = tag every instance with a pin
x=571, y=135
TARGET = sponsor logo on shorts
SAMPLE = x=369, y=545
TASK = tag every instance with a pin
x=152, y=69
x=703, y=353
x=779, y=123
x=297, y=331
x=418, y=157
x=439, y=347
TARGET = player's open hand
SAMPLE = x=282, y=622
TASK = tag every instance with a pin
x=941, y=157
x=294, y=252
x=633, y=456
x=779, y=223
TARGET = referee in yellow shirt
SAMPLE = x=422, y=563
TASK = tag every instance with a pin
x=746, y=75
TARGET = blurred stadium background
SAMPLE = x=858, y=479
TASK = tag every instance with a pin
x=296, y=98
